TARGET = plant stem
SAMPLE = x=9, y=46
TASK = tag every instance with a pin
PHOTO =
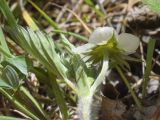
x=138, y=103
x=101, y=76
x=84, y=107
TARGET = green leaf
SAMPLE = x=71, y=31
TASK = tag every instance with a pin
x=10, y=77
x=82, y=82
x=82, y=79
x=5, y=53
x=19, y=62
x=3, y=43
x=23, y=96
x=42, y=48
x=3, y=46
x=10, y=118
x=31, y=42
x=3, y=84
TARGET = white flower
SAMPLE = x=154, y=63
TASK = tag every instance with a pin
x=100, y=36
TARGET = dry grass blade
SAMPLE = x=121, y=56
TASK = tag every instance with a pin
x=81, y=21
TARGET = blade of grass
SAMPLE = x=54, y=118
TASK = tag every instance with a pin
x=58, y=94
x=54, y=24
x=28, y=19
x=138, y=103
x=150, y=50
x=10, y=76
x=91, y=4
x=80, y=37
x=10, y=118
x=18, y=105
x=35, y=103
x=7, y=13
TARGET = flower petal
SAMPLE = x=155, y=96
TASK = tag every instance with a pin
x=101, y=34
x=83, y=48
x=128, y=42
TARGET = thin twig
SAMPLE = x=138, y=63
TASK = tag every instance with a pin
x=74, y=9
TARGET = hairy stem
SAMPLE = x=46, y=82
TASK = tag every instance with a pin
x=84, y=107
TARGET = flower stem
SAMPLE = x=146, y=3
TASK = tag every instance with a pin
x=84, y=107
x=101, y=76
x=138, y=103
